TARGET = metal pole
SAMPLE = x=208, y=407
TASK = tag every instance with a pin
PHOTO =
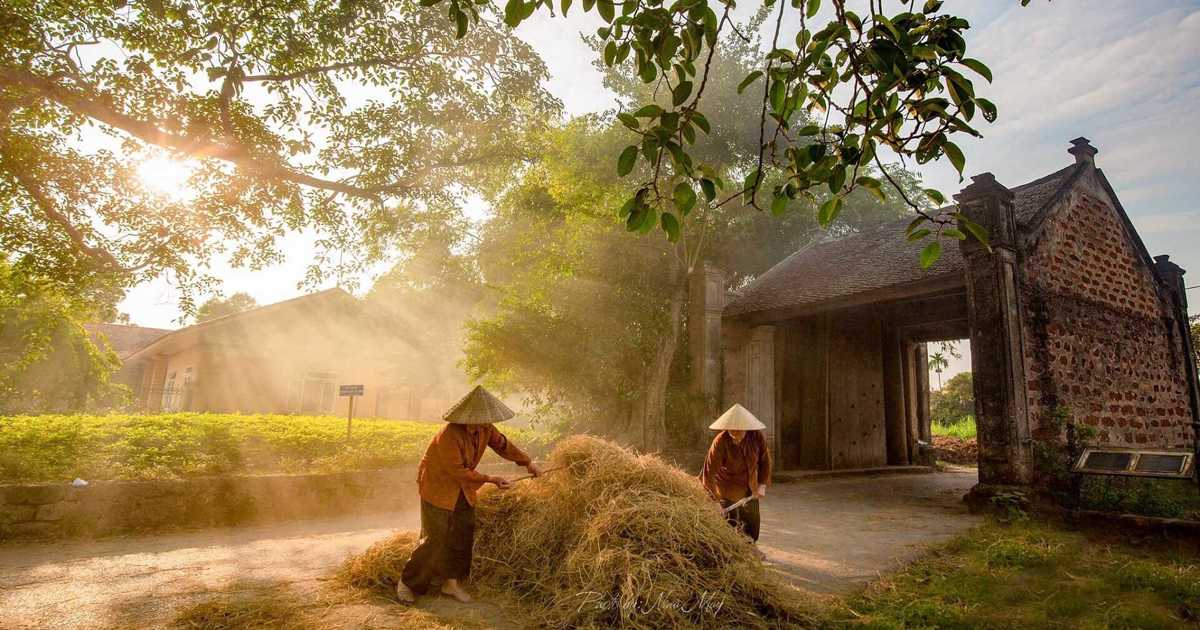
x=349, y=418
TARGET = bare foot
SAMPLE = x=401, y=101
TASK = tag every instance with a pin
x=404, y=594
x=452, y=588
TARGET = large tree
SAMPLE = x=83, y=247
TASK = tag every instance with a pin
x=349, y=119
x=832, y=98
x=590, y=322
x=48, y=362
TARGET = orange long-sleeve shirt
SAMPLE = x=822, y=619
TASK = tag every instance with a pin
x=732, y=471
x=448, y=466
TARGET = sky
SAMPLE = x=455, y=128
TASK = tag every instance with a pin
x=1124, y=74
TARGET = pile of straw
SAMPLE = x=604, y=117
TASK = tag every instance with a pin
x=613, y=539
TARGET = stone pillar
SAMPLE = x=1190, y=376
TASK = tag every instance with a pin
x=706, y=301
x=924, y=420
x=997, y=349
x=1171, y=276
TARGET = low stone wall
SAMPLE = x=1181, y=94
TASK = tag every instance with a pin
x=45, y=511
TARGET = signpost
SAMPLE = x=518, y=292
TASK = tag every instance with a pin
x=351, y=391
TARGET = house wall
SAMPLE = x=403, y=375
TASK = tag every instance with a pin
x=258, y=362
x=1100, y=340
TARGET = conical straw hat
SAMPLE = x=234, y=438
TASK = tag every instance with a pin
x=478, y=407
x=738, y=418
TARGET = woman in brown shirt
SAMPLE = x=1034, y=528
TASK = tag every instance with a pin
x=448, y=483
x=738, y=465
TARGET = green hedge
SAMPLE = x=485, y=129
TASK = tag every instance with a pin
x=62, y=447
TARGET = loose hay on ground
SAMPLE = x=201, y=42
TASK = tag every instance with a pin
x=615, y=539
x=279, y=607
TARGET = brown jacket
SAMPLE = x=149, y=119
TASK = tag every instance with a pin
x=448, y=466
x=732, y=471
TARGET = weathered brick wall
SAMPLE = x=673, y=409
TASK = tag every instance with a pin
x=1099, y=338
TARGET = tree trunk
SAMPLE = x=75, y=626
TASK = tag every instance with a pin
x=658, y=376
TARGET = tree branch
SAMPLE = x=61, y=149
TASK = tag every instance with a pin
x=48, y=208
x=93, y=107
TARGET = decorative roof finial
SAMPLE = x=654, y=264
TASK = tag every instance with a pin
x=1083, y=150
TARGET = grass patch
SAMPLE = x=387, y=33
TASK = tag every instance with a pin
x=164, y=446
x=1167, y=498
x=1037, y=575
x=963, y=429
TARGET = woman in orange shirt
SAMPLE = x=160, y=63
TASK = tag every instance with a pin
x=738, y=465
x=448, y=483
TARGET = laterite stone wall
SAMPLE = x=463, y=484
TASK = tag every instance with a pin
x=1100, y=340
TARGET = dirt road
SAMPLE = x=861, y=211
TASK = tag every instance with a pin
x=826, y=536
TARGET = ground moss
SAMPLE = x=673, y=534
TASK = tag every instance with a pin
x=1033, y=574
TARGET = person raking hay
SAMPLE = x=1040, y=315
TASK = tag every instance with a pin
x=737, y=469
x=448, y=483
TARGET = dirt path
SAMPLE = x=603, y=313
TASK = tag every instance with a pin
x=826, y=536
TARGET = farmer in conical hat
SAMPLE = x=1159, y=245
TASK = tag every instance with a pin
x=738, y=466
x=448, y=482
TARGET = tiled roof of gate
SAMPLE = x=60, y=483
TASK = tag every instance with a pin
x=870, y=260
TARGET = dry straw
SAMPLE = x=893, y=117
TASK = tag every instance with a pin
x=618, y=540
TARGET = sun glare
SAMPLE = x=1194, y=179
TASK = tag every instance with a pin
x=167, y=177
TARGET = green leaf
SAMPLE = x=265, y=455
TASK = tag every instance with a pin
x=809, y=130
x=750, y=78
x=627, y=207
x=514, y=12
x=610, y=53
x=701, y=122
x=978, y=231
x=954, y=154
x=748, y=186
x=670, y=225
x=606, y=9
x=919, y=234
x=685, y=197
x=566, y=4
x=989, y=109
x=461, y=23
x=680, y=93
x=649, y=111
x=935, y=196
x=829, y=211
x=873, y=185
x=627, y=159
x=650, y=220
x=837, y=178
x=779, y=205
x=930, y=254
x=813, y=7
x=954, y=233
x=709, y=188
x=978, y=67
x=778, y=95
x=647, y=72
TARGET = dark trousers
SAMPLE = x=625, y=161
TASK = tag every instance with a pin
x=445, y=549
x=744, y=518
